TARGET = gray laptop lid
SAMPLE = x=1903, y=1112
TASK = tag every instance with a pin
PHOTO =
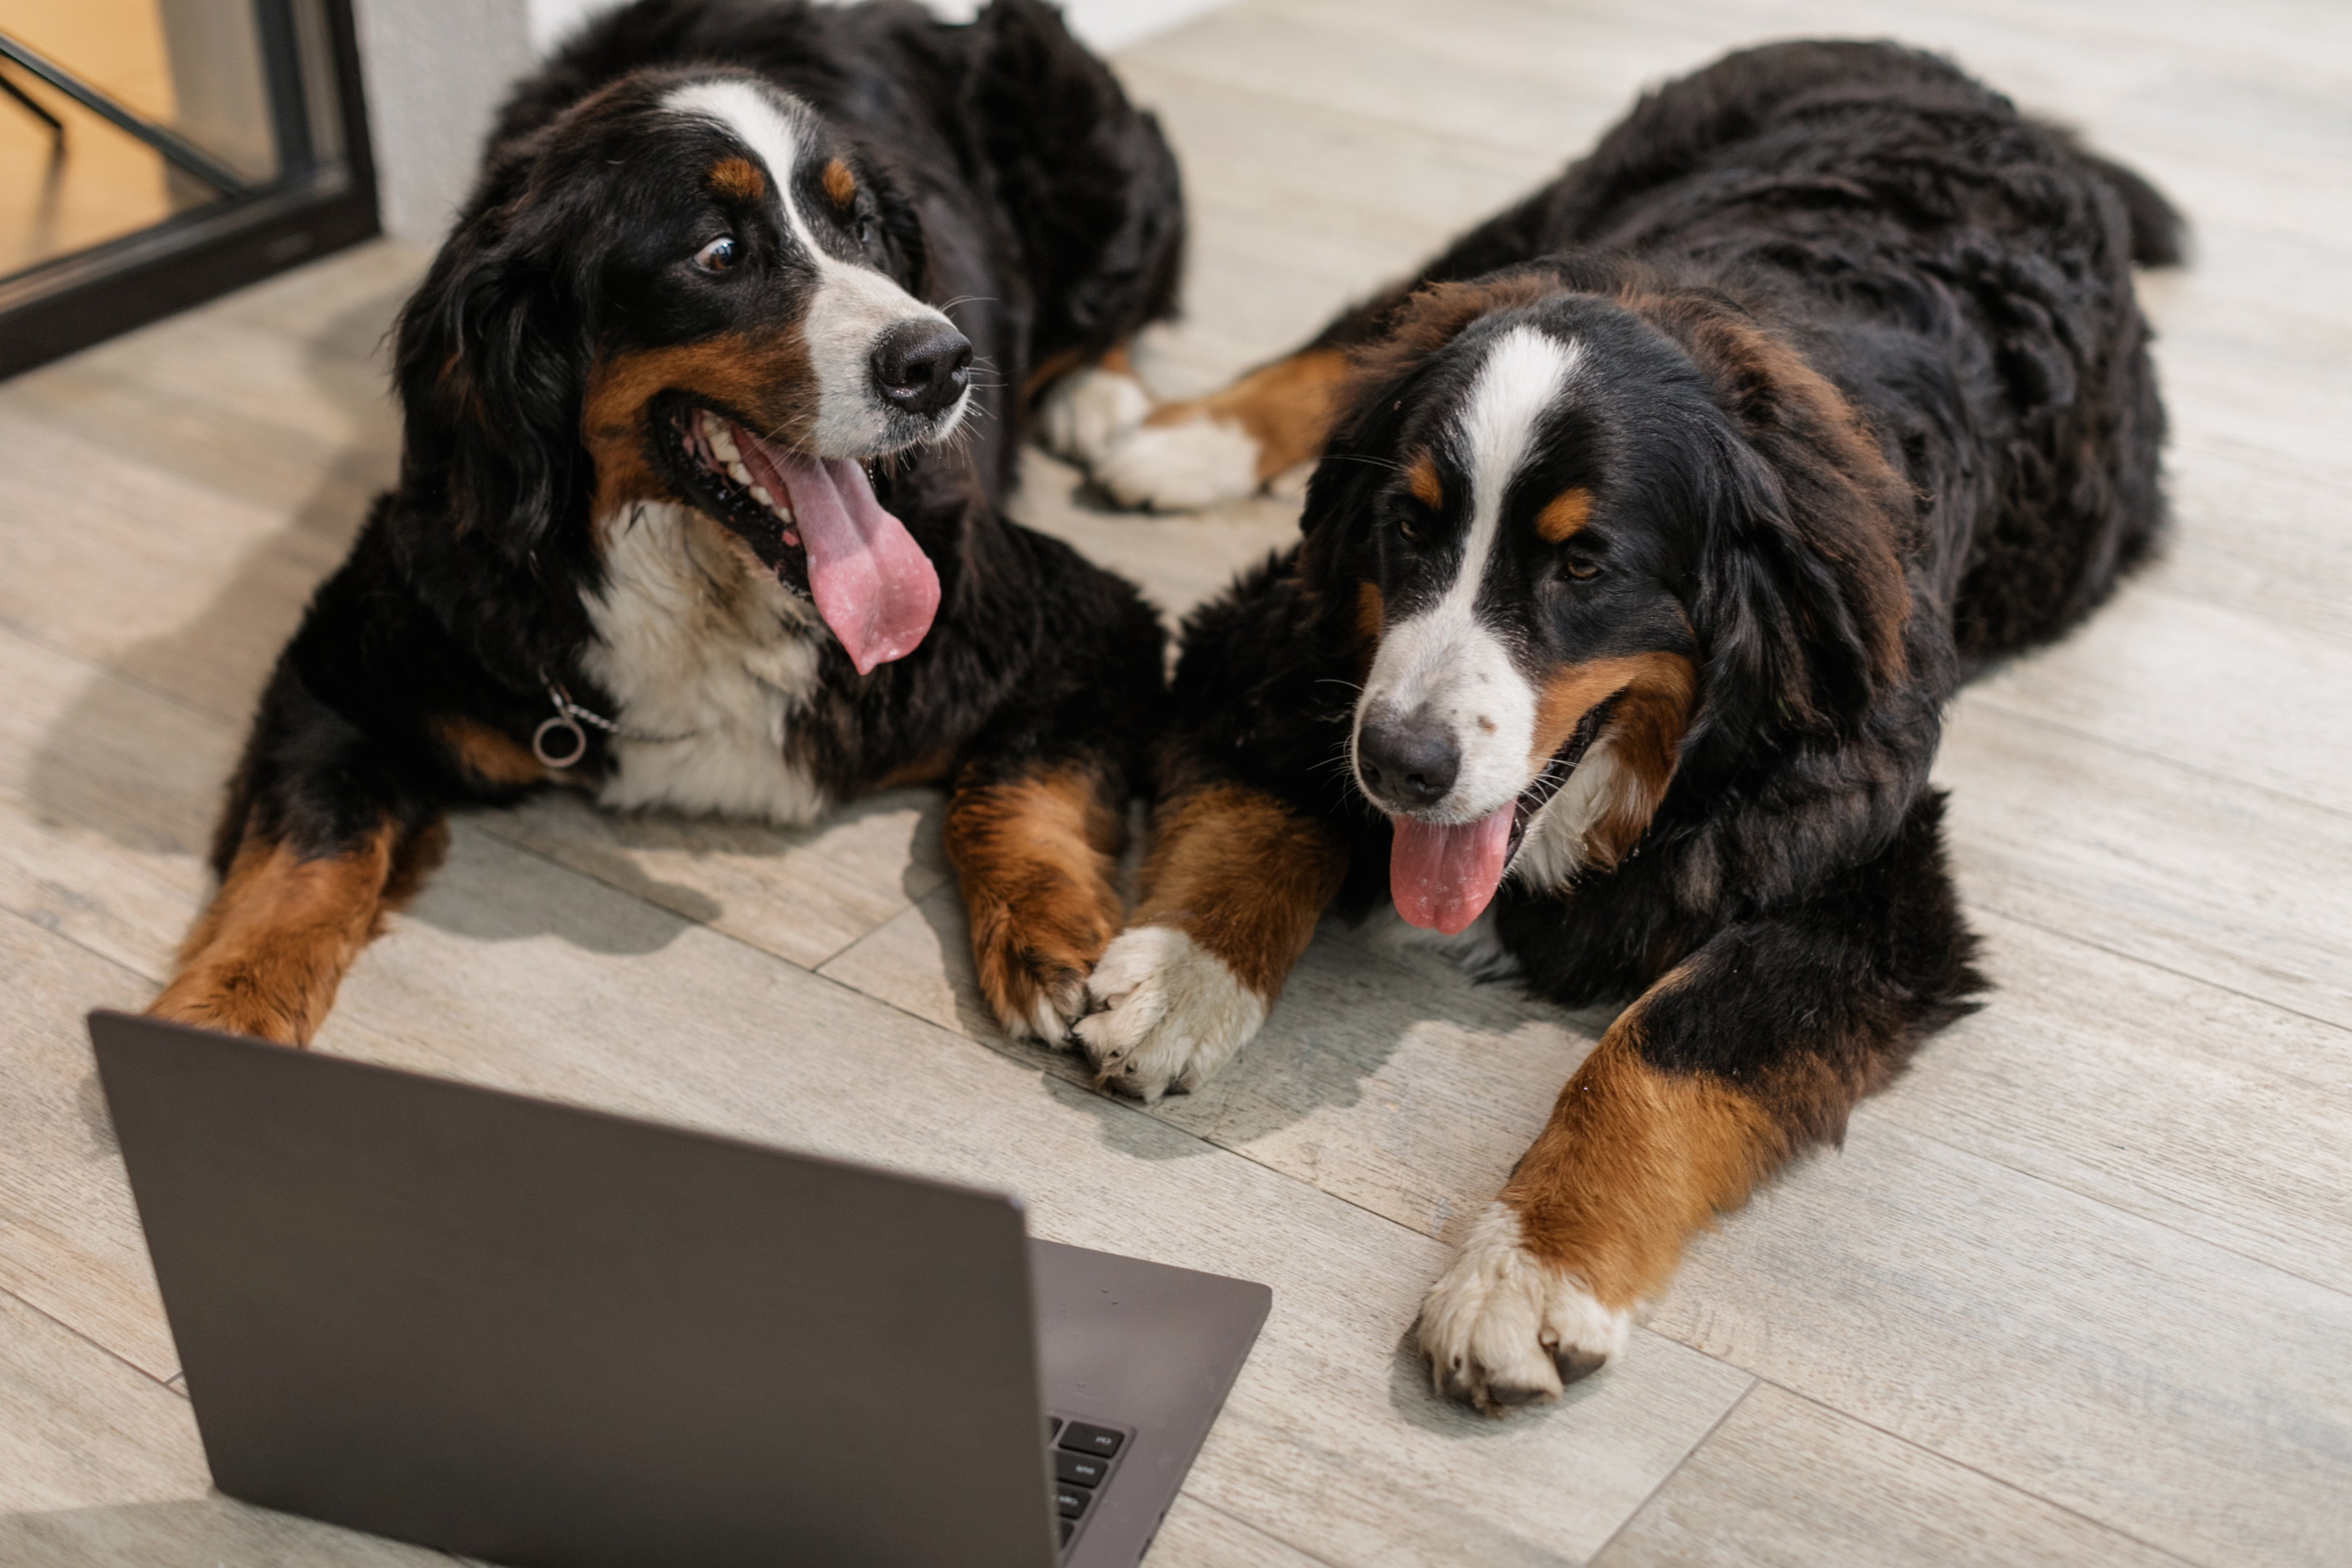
x=776, y=1348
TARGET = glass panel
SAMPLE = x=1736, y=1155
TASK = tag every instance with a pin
x=247, y=87
x=60, y=193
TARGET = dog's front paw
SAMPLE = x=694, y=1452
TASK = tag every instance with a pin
x=1031, y=965
x=1165, y=1014
x=1181, y=465
x=1084, y=415
x=1503, y=1327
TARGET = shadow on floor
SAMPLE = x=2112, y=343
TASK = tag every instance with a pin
x=141, y=760
x=193, y=1532
x=1351, y=1005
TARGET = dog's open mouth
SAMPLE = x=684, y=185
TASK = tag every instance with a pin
x=1443, y=876
x=815, y=523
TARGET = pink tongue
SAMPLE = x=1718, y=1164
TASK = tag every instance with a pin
x=1443, y=877
x=872, y=583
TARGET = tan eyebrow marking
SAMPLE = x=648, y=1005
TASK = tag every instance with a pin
x=1565, y=514
x=840, y=185
x=738, y=179
x=1421, y=479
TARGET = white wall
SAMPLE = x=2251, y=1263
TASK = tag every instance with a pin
x=436, y=71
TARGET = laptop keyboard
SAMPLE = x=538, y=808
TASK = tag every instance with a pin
x=1085, y=1452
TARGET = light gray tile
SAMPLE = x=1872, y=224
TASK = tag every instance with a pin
x=1784, y=1483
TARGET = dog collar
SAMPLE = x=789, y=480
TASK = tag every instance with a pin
x=561, y=743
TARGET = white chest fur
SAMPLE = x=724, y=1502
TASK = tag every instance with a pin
x=695, y=641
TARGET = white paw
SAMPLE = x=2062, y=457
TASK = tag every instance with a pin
x=1182, y=467
x=1086, y=414
x=1168, y=1013
x=1502, y=1327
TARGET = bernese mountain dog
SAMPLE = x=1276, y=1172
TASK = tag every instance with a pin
x=1655, y=523
x=711, y=399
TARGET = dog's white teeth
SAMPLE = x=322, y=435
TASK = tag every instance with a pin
x=722, y=442
x=739, y=473
x=759, y=493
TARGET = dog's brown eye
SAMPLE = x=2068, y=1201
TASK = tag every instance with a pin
x=1583, y=571
x=865, y=231
x=1405, y=527
x=717, y=256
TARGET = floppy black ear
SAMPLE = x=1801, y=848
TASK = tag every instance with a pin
x=1800, y=598
x=1788, y=642
x=902, y=230
x=493, y=355
x=1358, y=457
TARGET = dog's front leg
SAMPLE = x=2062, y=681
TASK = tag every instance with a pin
x=322, y=834
x=1231, y=889
x=1753, y=1048
x=1633, y=1158
x=268, y=955
x=1035, y=853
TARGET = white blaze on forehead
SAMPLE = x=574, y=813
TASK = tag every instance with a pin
x=1444, y=663
x=854, y=305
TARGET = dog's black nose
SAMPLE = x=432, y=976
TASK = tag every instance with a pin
x=1408, y=764
x=922, y=367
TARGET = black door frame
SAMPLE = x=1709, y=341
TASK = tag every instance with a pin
x=49, y=310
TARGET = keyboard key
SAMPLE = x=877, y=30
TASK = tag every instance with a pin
x=1070, y=1503
x=1099, y=1441
x=1079, y=1469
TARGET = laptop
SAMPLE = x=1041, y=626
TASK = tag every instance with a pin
x=536, y=1334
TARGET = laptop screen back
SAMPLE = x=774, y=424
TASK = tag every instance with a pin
x=537, y=1335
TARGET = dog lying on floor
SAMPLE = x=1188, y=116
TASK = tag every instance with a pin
x=1654, y=524
x=709, y=401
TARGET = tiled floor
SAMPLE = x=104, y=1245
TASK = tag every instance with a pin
x=2078, y=1289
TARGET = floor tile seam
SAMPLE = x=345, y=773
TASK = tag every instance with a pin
x=33, y=638
x=1247, y=1522
x=2236, y=604
x=1205, y=1141
x=162, y=1385
x=281, y=509
x=1386, y=221
x=1211, y=1142
x=2037, y=1177
x=1754, y=1383
x=997, y=1050
x=2288, y=466
x=2108, y=1204
x=844, y=986
x=1917, y=1446
x=14, y=913
x=487, y=819
x=1987, y=907
x=1226, y=1148
x=109, y=375
x=2250, y=603
x=1987, y=698
x=1342, y=118
x=992, y=1048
